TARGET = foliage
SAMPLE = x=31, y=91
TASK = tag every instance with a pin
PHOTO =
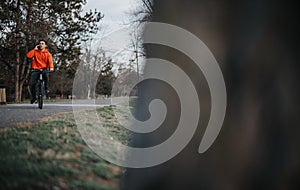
x=106, y=78
x=94, y=75
x=61, y=85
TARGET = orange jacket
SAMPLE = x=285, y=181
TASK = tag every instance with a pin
x=42, y=59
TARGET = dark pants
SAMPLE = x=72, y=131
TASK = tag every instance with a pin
x=33, y=80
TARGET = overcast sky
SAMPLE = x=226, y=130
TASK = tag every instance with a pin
x=115, y=32
x=115, y=11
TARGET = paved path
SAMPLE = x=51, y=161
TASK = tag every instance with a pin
x=12, y=115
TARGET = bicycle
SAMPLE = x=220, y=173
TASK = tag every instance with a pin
x=40, y=87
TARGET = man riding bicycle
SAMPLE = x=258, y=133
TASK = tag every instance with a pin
x=42, y=59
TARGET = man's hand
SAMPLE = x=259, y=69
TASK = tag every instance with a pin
x=51, y=69
x=36, y=47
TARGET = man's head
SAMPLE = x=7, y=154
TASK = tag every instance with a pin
x=42, y=44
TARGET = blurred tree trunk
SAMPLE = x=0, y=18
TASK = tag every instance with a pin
x=256, y=44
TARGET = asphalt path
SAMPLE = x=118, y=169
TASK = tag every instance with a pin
x=12, y=115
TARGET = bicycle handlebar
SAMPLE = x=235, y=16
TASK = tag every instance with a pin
x=41, y=70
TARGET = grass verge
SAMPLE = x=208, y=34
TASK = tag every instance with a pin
x=52, y=155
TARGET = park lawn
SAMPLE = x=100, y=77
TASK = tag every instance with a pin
x=52, y=155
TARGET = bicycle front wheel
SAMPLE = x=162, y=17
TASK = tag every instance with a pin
x=40, y=101
x=40, y=95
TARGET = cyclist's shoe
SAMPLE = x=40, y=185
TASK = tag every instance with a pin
x=33, y=101
x=47, y=91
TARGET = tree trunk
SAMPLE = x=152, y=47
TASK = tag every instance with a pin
x=22, y=70
x=17, y=73
x=20, y=90
x=17, y=84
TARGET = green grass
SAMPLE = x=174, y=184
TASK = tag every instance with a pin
x=52, y=155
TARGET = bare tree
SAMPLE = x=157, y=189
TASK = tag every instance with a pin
x=138, y=48
x=144, y=11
